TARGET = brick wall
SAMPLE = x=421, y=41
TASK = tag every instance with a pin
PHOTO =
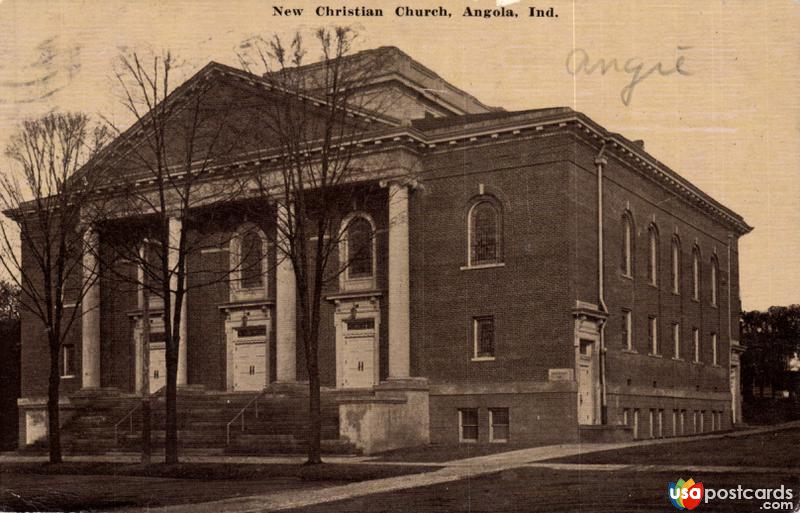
x=637, y=377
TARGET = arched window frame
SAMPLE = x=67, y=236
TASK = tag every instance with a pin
x=714, y=281
x=628, y=243
x=652, y=254
x=346, y=281
x=675, y=264
x=237, y=291
x=696, y=259
x=498, y=211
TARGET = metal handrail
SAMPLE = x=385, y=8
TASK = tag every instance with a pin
x=128, y=416
x=241, y=415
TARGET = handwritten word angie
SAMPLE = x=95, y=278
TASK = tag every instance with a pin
x=578, y=61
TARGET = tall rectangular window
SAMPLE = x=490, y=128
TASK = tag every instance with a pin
x=713, y=282
x=67, y=361
x=468, y=425
x=674, y=422
x=682, y=422
x=714, y=353
x=483, y=337
x=498, y=424
x=652, y=260
x=694, y=422
x=676, y=266
x=696, y=274
x=652, y=423
x=676, y=340
x=696, y=344
x=702, y=421
x=636, y=423
x=661, y=423
x=627, y=245
x=626, y=417
x=627, y=329
x=652, y=334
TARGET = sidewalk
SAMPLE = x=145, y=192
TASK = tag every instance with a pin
x=452, y=471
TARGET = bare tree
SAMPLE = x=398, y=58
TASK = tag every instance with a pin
x=313, y=120
x=165, y=167
x=42, y=192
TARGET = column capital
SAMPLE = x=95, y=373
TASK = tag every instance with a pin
x=401, y=181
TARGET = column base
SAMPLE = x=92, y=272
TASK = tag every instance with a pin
x=407, y=383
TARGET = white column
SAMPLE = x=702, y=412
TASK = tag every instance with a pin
x=174, y=241
x=285, y=305
x=90, y=313
x=399, y=294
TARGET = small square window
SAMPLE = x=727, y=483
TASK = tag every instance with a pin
x=468, y=425
x=483, y=334
x=498, y=424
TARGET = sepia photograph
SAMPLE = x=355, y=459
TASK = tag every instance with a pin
x=399, y=257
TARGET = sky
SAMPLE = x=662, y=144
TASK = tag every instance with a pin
x=723, y=108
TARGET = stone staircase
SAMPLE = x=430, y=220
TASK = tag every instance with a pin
x=109, y=421
x=281, y=426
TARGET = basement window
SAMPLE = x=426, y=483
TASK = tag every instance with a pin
x=468, y=425
x=498, y=425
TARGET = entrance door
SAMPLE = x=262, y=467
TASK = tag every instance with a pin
x=249, y=368
x=158, y=369
x=358, y=362
x=734, y=379
x=587, y=396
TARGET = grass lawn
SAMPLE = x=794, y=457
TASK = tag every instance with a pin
x=775, y=449
x=442, y=453
x=102, y=486
x=547, y=491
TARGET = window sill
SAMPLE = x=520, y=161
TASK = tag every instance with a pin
x=714, y=306
x=677, y=359
x=697, y=363
x=695, y=300
x=69, y=376
x=499, y=441
x=467, y=441
x=654, y=355
x=482, y=266
x=626, y=276
x=483, y=359
x=630, y=351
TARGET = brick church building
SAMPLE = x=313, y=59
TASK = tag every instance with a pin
x=554, y=282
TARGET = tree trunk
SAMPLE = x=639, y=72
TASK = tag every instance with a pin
x=53, y=427
x=171, y=424
x=314, y=409
x=145, y=334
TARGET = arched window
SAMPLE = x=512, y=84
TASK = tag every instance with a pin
x=676, y=265
x=251, y=258
x=627, y=244
x=359, y=248
x=652, y=254
x=714, y=271
x=357, y=252
x=696, y=273
x=484, y=233
x=248, y=253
